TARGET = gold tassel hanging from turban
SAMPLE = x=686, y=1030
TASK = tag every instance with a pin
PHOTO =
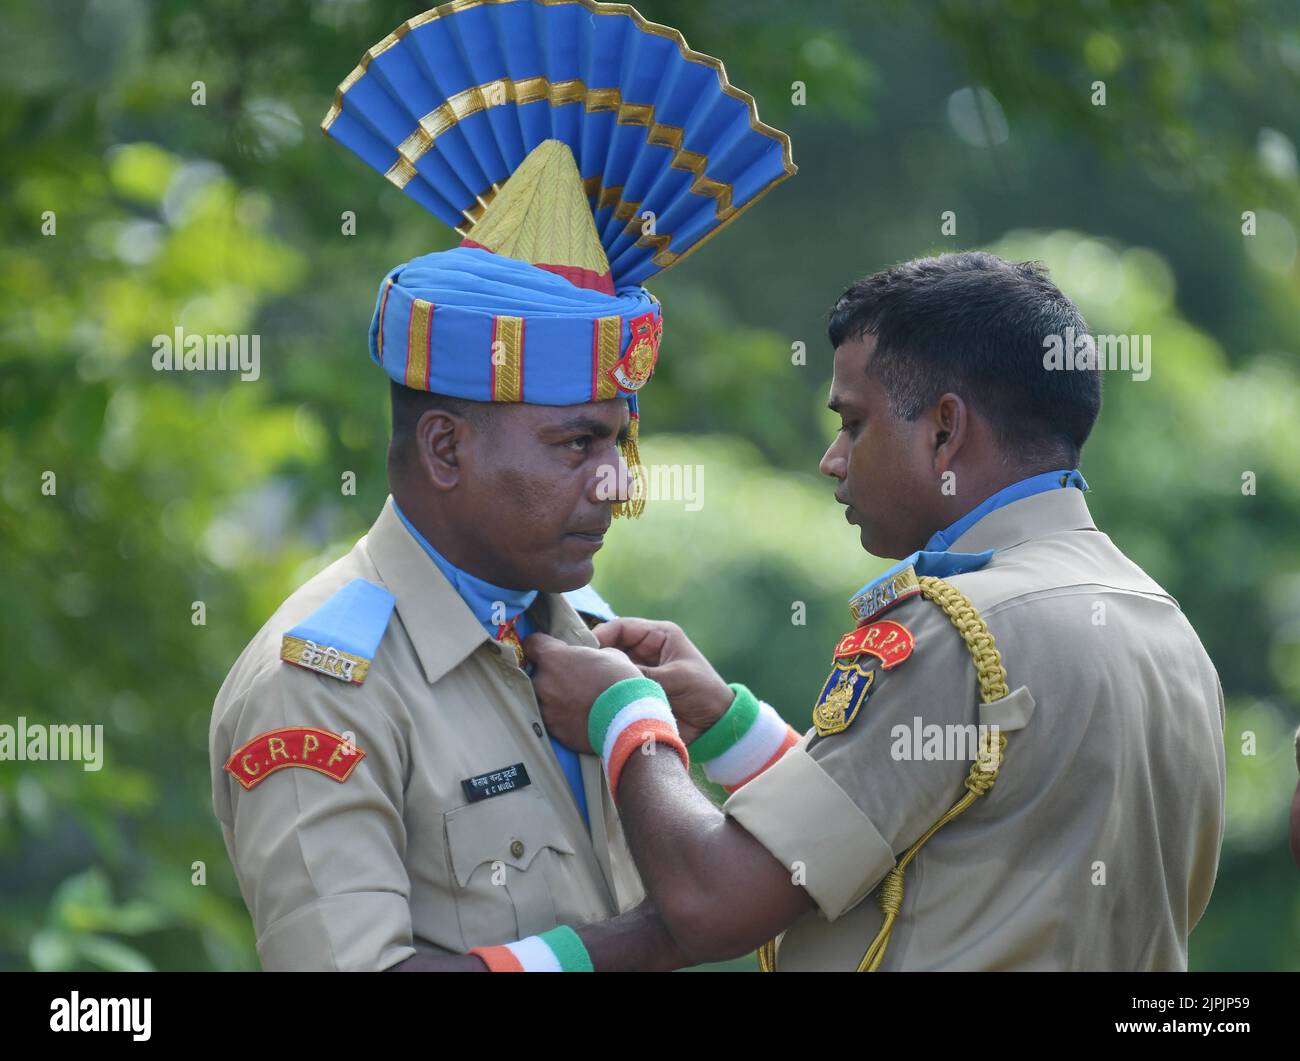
x=631, y=450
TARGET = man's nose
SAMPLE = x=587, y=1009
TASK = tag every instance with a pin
x=834, y=463
x=613, y=481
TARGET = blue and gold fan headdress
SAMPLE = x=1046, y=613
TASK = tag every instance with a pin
x=578, y=150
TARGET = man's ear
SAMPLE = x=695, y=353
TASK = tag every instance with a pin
x=440, y=438
x=950, y=423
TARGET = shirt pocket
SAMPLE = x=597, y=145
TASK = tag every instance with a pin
x=504, y=854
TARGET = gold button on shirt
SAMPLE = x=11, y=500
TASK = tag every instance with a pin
x=396, y=859
x=1098, y=845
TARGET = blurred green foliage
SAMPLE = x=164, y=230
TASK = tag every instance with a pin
x=174, y=489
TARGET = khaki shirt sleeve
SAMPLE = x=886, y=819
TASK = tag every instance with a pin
x=838, y=810
x=321, y=862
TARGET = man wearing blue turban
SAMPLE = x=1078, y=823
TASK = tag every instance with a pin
x=578, y=150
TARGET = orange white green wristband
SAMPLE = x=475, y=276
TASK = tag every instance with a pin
x=744, y=742
x=631, y=714
x=558, y=950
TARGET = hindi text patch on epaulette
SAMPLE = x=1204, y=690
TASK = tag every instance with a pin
x=879, y=596
x=339, y=639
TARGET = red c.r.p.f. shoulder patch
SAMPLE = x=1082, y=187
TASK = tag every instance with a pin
x=316, y=749
x=888, y=641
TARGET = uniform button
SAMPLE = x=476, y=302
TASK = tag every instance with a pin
x=517, y=849
x=537, y=728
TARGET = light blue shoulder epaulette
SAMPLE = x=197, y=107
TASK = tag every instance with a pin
x=902, y=580
x=340, y=638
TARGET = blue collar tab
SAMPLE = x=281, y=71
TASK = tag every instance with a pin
x=900, y=581
x=1035, y=484
x=479, y=595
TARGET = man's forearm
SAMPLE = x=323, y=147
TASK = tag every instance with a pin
x=636, y=940
x=719, y=892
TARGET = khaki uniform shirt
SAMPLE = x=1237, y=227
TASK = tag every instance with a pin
x=361, y=874
x=1098, y=845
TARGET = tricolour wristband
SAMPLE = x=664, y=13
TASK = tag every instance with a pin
x=744, y=742
x=627, y=716
x=558, y=950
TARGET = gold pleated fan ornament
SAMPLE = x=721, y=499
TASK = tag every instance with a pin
x=545, y=132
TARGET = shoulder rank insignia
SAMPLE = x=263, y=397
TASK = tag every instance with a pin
x=888, y=641
x=339, y=639
x=903, y=579
x=884, y=593
x=845, y=691
x=316, y=749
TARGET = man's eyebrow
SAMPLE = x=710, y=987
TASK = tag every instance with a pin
x=582, y=425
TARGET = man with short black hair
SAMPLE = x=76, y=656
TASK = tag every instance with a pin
x=1016, y=761
x=932, y=319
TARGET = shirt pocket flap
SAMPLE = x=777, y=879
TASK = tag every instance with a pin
x=1010, y=713
x=509, y=829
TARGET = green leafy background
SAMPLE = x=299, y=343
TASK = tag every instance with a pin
x=179, y=488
